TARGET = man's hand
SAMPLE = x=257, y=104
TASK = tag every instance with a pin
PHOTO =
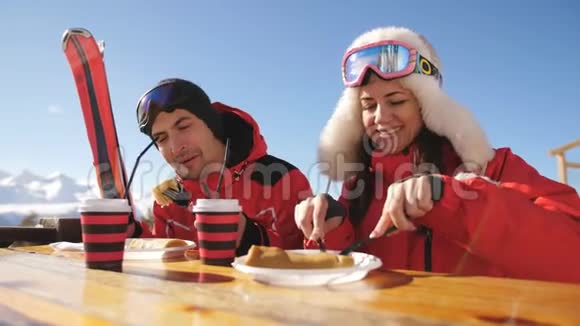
x=130, y=229
x=241, y=228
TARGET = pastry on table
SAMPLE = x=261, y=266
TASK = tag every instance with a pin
x=155, y=243
x=273, y=257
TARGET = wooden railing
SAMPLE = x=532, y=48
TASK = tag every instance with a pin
x=563, y=165
x=52, y=230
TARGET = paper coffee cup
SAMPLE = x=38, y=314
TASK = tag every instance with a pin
x=104, y=227
x=217, y=223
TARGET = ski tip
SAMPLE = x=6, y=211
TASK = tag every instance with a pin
x=74, y=31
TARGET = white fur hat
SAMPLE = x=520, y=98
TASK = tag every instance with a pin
x=341, y=137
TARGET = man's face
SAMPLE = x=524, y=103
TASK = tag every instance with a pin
x=185, y=142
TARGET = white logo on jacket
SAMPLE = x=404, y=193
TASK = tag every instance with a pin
x=268, y=214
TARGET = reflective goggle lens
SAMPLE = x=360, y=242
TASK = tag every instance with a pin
x=388, y=58
x=158, y=98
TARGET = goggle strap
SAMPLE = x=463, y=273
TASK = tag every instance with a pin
x=425, y=67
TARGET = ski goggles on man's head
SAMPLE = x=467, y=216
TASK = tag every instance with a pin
x=165, y=96
x=388, y=59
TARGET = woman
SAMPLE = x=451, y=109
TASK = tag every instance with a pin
x=414, y=159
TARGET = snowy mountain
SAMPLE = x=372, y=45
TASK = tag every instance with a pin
x=27, y=187
x=54, y=195
x=4, y=174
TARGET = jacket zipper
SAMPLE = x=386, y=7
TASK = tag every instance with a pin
x=427, y=249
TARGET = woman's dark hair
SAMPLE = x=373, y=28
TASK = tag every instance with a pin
x=430, y=147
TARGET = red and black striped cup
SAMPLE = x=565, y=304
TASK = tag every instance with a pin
x=104, y=227
x=217, y=230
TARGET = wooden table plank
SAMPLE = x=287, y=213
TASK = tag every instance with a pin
x=67, y=292
x=18, y=311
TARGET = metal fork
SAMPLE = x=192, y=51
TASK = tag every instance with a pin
x=321, y=245
x=180, y=197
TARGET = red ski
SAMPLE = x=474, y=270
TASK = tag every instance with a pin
x=85, y=58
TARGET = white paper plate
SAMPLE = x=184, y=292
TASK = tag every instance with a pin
x=131, y=253
x=158, y=253
x=363, y=263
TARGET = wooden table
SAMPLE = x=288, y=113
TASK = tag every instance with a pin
x=39, y=287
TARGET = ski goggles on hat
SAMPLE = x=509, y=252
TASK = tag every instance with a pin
x=159, y=98
x=388, y=59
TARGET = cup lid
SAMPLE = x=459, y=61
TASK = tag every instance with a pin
x=216, y=205
x=104, y=205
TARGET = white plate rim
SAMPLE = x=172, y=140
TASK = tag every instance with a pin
x=373, y=263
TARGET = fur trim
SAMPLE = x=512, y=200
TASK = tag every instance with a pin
x=470, y=175
x=341, y=137
x=447, y=118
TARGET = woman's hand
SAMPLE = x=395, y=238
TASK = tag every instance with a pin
x=406, y=200
x=310, y=217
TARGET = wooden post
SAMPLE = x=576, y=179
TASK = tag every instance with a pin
x=562, y=168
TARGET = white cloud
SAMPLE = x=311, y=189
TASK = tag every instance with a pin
x=55, y=109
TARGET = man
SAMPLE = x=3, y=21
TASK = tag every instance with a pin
x=194, y=135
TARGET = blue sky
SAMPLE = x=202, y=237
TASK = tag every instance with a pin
x=513, y=64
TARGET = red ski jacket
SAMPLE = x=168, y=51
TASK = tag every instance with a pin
x=512, y=222
x=267, y=187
